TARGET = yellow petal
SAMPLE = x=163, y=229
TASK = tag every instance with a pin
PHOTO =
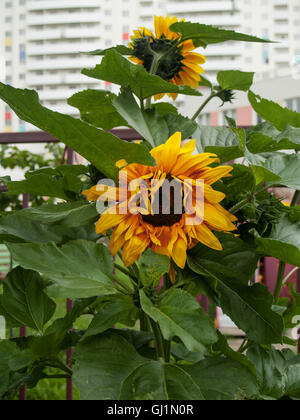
x=216, y=219
x=206, y=237
x=166, y=154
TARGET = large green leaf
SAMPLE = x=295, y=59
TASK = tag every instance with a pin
x=43, y=185
x=278, y=372
x=96, y=108
x=122, y=49
x=235, y=80
x=152, y=267
x=266, y=138
x=179, y=315
x=273, y=112
x=283, y=243
x=71, y=215
x=219, y=140
x=48, y=223
x=113, y=309
x=80, y=269
x=116, y=69
x=180, y=123
x=99, y=147
x=7, y=351
x=220, y=378
x=287, y=167
x=109, y=368
x=231, y=270
x=149, y=123
x=24, y=301
x=203, y=35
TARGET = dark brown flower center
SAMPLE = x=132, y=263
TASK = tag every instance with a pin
x=167, y=204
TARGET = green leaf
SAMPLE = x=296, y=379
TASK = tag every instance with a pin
x=7, y=351
x=80, y=269
x=203, y=35
x=235, y=80
x=220, y=378
x=149, y=124
x=219, y=140
x=273, y=112
x=109, y=368
x=100, y=148
x=232, y=269
x=113, y=309
x=262, y=174
x=283, y=243
x=4, y=179
x=96, y=108
x=223, y=346
x=287, y=167
x=24, y=301
x=71, y=215
x=42, y=185
x=49, y=223
x=179, y=315
x=269, y=139
x=121, y=49
x=180, y=123
x=116, y=69
x=278, y=372
x=164, y=108
x=152, y=267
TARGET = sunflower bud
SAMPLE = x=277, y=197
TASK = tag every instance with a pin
x=225, y=95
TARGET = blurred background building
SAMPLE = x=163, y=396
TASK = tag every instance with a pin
x=41, y=41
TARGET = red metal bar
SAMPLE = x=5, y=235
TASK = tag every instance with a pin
x=43, y=137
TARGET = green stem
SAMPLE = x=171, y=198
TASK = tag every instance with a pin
x=239, y=205
x=124, y=271
x=198, y=112
x=122, y=285
x=144, y=322
x=167, y=351
x=279, y=283
x=290, y=274
x=160, y=350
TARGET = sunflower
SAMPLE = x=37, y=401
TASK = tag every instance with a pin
x=167, y=231
x=179, y=66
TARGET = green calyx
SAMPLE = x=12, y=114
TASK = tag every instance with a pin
x=170, y=64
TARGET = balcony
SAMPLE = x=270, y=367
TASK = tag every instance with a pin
x=62, y=4
x=63, y=18
x=63, y=33
x=76, y=63
x=61, y=48
x=205, y=6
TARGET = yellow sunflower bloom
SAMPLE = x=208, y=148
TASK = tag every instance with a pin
x=139, y=216
x=180, y=67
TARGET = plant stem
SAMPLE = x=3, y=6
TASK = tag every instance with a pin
x=122, y=285
x=160, y=350
x=198, y=112
x=290, y=274
x=144, y=322
x=124, y=271
x=282, y=265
